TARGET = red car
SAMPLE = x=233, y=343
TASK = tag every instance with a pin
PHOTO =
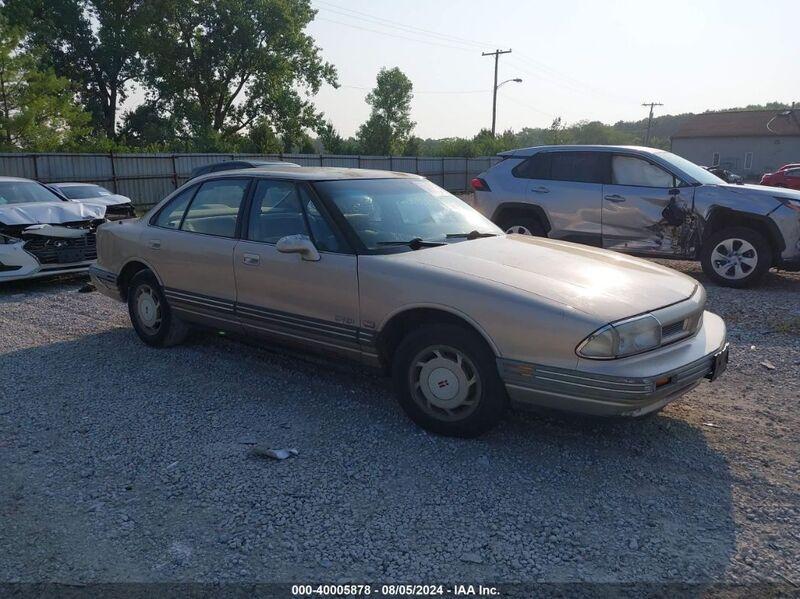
x=789, y=177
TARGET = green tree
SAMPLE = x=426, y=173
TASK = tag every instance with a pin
x=331, y=141
x=38, y=109
x=93, y=43
x=149, y=125
x=222, y=66
x=389, y=125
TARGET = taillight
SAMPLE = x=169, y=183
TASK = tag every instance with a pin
x=479, y=184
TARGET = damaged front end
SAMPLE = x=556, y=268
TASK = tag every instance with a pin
x=37, y=250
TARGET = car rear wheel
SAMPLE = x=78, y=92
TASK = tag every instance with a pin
x=150, y=313
x=736, y=257
x=447, y=381
x=521, y=224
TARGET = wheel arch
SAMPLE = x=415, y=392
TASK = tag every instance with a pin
x=402, y=321
x=129, y=269
x=521, y=207
x=720, y=217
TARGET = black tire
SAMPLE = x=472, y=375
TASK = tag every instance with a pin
x=745, y=274
x=515, y=221
x=163, y=329
x=485, y=399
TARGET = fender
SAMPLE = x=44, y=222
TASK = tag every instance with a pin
x=443, y=308
x=716, y=213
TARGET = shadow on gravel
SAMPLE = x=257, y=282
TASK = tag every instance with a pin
x=50, y=284
x=129, y=462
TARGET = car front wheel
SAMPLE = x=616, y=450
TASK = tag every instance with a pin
x=736, y=257
x=150, y=313
x=447, y=381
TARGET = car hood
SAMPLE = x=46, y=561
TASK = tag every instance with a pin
x=110, y=200
x=762, y=191
x=51, y=213
x=597, y=282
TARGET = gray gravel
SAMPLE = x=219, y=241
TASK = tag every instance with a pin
x=120, y=462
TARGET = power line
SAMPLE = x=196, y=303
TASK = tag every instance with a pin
x=355, y=14
x=402, y=37
x=553, y=75
x=443, y=91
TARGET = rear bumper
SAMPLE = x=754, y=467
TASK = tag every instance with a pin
x=594, y=393
x=105, y=282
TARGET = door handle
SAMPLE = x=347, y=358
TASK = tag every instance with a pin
x=252, y=259
x=540, y=189
x=615, y=198
x=154, y=244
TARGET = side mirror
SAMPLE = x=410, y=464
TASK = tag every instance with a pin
x=298, y=244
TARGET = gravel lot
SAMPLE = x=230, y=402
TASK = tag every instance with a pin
x=120, y=462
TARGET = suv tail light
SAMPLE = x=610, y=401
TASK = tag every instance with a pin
x=479, y=184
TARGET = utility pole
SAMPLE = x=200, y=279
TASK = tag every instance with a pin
x=650, y=119
x=496, y=55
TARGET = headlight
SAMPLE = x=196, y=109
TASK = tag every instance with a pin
x=624, y=338
x=8, y=239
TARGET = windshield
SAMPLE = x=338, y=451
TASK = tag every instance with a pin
x=82, y=192
x=698, y=173
x=386, y=210
x=23, y=192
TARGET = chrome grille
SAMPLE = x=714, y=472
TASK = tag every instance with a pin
x=672, y=329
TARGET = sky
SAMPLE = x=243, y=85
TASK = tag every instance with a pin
x=578, y=59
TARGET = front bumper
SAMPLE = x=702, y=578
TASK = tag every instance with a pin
x=16, y=264
x=643, y=389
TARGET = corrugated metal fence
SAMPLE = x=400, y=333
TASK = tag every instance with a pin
x=147, y=178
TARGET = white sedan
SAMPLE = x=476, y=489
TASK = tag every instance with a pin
x=117, y=206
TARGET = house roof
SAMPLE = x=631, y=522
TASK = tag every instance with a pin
x=741, y=123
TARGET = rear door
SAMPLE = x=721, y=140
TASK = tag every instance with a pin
x=568, y=186
x=646, y=209
x=190, y=244
x=281, y=296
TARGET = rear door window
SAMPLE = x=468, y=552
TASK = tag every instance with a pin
x=171, y=215
x=215, y=208
x=579, y=167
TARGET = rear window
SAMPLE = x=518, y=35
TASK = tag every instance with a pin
x=83, y=192
x=579, y=167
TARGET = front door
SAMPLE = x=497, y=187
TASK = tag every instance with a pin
x=646, y=210
x=313, y=304
x=191, y=244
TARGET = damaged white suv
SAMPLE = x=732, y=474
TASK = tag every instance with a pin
x=43, y=235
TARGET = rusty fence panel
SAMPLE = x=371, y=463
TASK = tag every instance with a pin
x=147, y=177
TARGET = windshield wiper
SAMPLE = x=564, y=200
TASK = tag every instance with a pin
x=470, y=235
x=415, y=243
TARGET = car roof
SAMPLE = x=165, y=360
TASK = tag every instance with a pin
x=17, y=179
x=580, y=148
x=73, y=184
x=312, y=173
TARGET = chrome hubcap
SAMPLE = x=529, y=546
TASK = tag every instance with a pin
x=518, y=230
x=445, y=383
x=148, y=309
x=734, y=258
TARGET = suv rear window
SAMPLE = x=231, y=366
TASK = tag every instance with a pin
x=579, y=167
